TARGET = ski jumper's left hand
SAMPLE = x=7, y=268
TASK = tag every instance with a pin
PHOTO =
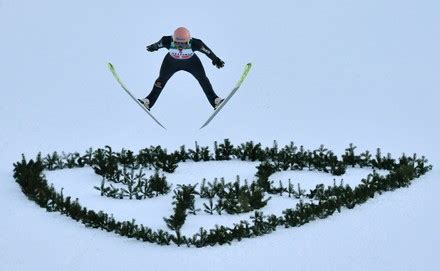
x=218, y=62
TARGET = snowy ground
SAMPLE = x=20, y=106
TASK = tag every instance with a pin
x=80, y=183
x=325, y=72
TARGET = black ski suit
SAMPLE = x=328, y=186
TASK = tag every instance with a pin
x=183, y=59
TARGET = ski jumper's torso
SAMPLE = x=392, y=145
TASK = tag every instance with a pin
x=188, y=51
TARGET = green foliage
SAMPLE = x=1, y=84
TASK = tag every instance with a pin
x=105, y=163
x=127, y=159
x=200, y=153
x=158, y=158
x=224, y=151
x=126, y=169
x=157, y=185
x=250, y=152
x=264, y=170
x=29, y=175
x=233, y=198
x=137, y=186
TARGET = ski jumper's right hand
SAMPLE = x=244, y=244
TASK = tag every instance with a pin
x=153, y=47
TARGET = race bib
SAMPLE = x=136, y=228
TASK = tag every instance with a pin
x=180, y=53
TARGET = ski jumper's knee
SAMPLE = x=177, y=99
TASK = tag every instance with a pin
x=159, y=83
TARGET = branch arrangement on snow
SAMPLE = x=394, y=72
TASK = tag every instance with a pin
x=126, y=168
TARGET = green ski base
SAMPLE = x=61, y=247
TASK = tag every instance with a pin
x=246, y=70
x=116, y=76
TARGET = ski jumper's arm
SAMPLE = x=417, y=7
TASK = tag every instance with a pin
x=164, y=42
x=199, y=45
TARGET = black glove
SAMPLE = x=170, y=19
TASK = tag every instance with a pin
x=218, y=62
x=153, y=47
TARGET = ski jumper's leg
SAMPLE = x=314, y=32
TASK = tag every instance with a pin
x=195, y=67
x=168, y=68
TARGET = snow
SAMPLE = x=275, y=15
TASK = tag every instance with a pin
x=80, y=183
x=324, y=72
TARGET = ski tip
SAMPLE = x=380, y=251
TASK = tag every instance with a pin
x=110, y=66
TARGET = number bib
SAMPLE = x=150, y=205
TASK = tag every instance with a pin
x=180, y=53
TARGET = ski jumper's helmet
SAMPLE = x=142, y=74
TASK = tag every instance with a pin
x=181, y=35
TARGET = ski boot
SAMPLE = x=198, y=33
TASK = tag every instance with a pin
x=217, y=102
x=145, y=102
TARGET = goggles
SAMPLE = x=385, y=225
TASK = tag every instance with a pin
x=182, y=44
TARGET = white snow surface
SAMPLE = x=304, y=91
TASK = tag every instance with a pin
x=324, y=72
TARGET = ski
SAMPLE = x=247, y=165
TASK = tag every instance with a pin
x=247, y=68
x=116, y=76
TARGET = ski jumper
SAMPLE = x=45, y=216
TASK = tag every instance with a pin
x=182, y=59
